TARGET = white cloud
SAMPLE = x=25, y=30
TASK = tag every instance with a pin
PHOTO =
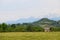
x=15, y=9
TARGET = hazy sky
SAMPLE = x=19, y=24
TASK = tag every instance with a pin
x=15, y=9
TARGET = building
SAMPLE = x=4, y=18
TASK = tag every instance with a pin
x=46, y=29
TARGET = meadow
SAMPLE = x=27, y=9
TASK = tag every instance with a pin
x=30, y=36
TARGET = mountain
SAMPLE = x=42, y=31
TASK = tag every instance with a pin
x=23, y=20
x=47, y=21
x=32, y=19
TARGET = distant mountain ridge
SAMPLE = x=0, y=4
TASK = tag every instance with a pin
x=23, y=20
x=32, y=19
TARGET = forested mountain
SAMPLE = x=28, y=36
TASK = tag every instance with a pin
x=47, y=21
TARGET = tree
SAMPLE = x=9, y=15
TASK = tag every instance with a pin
x=55, y=28
x=1, y=29
x=37, y=29
x=29, y=28
x=20, y=29
x=4, y=27
x=13, y=25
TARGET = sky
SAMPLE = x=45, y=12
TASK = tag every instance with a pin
x=16, y=9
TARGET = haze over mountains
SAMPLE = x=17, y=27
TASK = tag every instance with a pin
x=23, y=20
x=30, y=20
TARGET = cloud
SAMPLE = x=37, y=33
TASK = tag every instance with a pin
x=15, y=9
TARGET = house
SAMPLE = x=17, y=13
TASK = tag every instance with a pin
x=46, y=29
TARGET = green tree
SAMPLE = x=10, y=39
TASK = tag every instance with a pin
x=29, y=28
x=20, y=29
x=55, y=28
x=4, y=27
x=13, y=25
x=1, y=29
x=37, y=29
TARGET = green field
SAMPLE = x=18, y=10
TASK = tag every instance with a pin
x=30, y=36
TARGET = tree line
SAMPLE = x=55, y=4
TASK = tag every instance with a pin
x=19, y=28
x=23, y=28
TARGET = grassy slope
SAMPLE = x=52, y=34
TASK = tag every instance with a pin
x=30, y=36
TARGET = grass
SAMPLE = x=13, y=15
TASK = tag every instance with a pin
x=30, y=36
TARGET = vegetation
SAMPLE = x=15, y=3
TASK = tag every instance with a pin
x=36, y=26
x=30, y=36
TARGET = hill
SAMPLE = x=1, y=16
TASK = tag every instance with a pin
x=47, y=21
